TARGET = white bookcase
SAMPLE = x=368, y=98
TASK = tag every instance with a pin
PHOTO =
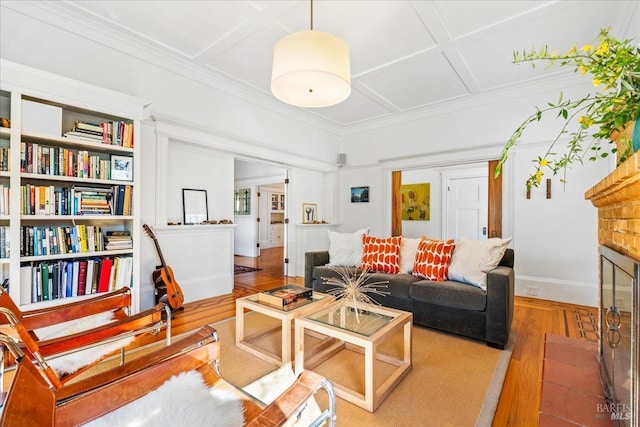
x=20, y=86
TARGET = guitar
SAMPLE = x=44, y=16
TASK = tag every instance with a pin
x=163, y=276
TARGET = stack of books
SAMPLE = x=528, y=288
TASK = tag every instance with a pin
x=286, y=297
x=86, y=131
x=113, y=133
x=117, y=240
x=94, y=200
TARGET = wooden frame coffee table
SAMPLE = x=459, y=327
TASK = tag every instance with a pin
x=247, y=341
x=339, y=326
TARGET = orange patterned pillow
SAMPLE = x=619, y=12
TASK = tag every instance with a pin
x=381, y=254
x=432, y=259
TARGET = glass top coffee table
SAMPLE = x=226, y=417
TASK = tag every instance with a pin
x=339, y=327
x=248, y=340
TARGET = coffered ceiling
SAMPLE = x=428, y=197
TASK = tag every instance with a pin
x=407, y=56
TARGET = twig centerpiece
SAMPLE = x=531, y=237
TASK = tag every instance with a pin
x=352, y=287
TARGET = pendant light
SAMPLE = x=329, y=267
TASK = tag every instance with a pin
x=311, y=69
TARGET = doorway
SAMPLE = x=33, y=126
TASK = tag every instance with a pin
x=265, y=226
x=476, y=212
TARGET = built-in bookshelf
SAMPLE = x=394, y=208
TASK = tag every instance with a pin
x=69, y=194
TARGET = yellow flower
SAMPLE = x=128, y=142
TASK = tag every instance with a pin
x=597, y=82
x=539, y=176
x=572, y=51
x=603, y=48
x=585, y=121
x=583, y=70
x=543, y=163
x=587, y=48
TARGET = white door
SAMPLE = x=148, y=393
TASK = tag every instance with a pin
x=467, y=207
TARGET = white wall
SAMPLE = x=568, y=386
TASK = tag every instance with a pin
x=554, y=240
x=372, y=215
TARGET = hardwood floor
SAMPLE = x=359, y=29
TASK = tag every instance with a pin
x=519, y=401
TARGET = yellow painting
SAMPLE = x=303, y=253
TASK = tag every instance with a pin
x=416, y=202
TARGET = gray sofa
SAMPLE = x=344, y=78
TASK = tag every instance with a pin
x=449, y=306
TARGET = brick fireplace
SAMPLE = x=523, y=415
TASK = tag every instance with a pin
x=617, y=198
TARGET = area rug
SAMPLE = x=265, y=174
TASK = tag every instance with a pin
x=454, y=381
x=239, y=269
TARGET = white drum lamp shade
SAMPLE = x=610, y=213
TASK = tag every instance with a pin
x=311, y=69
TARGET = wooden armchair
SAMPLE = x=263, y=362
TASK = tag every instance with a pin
x=32, y=402
x=114, y=330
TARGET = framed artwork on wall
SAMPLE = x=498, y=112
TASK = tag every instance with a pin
x=416, y=202
x=309, y=213
x=360, y=194
x=194, y=205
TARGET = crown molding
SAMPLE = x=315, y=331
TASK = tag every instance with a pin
x=240, y=147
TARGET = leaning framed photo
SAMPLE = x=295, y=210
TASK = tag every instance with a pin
x=309, y=213
x=194, y=205
x=121, y=168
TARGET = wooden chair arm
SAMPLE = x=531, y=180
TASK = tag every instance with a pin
x=135, y=324
x=292, y=401
x=118, y=301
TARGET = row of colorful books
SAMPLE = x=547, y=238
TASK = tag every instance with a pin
x=45, y=281
x=286, y=297
x=59, y=161
x=75, y=200
x=42, y=241
x=113, y=133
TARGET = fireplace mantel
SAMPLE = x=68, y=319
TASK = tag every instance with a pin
x=617, y=198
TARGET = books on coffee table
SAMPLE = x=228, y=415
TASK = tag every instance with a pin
x=286, y=297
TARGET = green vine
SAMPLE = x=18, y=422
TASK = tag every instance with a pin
x=614, y=67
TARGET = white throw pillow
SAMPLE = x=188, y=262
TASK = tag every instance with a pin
x=408, y=249
x=346, y=248
x=472, y=259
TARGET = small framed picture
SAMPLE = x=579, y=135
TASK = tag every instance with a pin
x=194, y=205
x=309, y=213
x=359, y=194
x=121, y=168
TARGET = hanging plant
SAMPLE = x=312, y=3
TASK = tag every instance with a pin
x=614, y=67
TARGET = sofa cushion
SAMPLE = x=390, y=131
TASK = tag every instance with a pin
x=381, y=254
x=346, y=248
x=408, y=249
x=449, y=294
x=398, y=284
x=473, y=259
x=432, y=259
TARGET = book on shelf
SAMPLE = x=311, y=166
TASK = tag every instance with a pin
x=285, y=295
x=115, y=240
x=51, y=280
